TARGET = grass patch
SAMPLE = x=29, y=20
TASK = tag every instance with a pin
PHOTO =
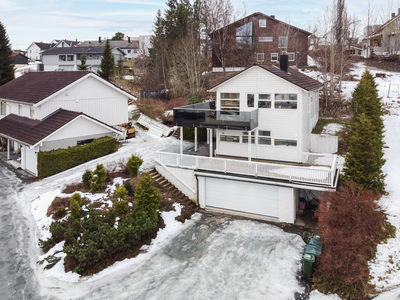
x=322, y=122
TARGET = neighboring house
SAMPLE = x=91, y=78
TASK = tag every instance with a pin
x=130, y=47
x=258, y=38
x=385, y=39
x=60, y=129
x=38, y=94
x=20, y=60
x=34, y=50
x=65, y=43
x=68, y=59
x=265, y=153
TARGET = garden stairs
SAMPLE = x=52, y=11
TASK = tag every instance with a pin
x=173, y=190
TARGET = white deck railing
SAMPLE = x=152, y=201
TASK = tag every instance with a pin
x=321, y=174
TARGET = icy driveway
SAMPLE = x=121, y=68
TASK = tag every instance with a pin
x=212, y=258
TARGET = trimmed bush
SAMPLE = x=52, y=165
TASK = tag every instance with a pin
x=133, y=164
x=147, y=198
x=86, y=179
x=128, y=187
x=99, y=178
x=121, y=192
x=56, y=161
x=75, y=206
x=121, y=207
x=57, y=231
x=59, y=212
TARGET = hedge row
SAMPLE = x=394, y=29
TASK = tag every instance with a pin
x=56, y=161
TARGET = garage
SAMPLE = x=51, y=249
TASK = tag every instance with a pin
x=248, y=197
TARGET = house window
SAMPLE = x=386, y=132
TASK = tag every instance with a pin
x=264, y=137
x=32, y=114
x=90, y=56
x=281, y=142
x=229, y=138
x=244, y=36
x=20, y=109
x=245, y=138
x=286, y=101
x=129, y=51
x=264, y=101
x=84, y=142
x=262, y=23
x=274, y=57
x=230, y=102
x=70, y=58
x=3, y=109
x=282, y=42
x=265, y=39
x=135, y=51
x=97, y=57
x=250, y=100
x=291, y=56
x=62, y=58
x=260, y=57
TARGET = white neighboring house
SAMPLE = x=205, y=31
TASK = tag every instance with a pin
x=34, y=50
x=262, y=121
x=60, y=129
x=68, y=58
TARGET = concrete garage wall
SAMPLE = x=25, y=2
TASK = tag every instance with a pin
x=184, y=175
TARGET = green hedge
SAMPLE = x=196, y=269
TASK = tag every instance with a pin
x=56, y=161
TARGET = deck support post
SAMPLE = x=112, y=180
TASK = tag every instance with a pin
x=8, y=149
x=195, y=139
x=211, y=143
x=181, y=138
x=249, y=144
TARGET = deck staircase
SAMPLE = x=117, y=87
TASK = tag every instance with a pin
x=173, y=190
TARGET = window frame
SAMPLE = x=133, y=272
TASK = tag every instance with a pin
x=229, y=138
x=273, y=55
x=245, y=137
x=266, y=100
x=259, y=59
x=20, y=108
x=264, y=137
x=262, y=23
x=3, y=108
x=265, y=39
x=288, y=101
x=293, y=56
x=62, y=57
x=285, y=142
x=227, y=103
x=70, y=57
x=283, y=42
x=250, y=100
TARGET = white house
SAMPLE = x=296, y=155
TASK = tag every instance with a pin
x=264, y=153
x=60, y=129
x=39, y=94
x=34, y=50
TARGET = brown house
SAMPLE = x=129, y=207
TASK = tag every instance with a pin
x=258, y=38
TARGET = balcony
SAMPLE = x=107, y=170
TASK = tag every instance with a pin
x=204, y=115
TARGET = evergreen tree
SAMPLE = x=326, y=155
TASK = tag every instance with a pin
x=119, y=36
x=147, y=199
x=365, y=158
x=83, y=66
x=6, y=57
x=366, y=100
x=107, y=62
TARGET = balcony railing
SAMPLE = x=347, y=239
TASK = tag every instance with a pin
x=319, y=175
x=204, y=115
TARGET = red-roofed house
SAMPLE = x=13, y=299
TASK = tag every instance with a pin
x=262, y=153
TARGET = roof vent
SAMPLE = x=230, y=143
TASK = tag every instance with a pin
x=284, y=63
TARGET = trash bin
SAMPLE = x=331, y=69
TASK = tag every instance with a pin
x=315, y=242
x=313, y=249
x=308, y=260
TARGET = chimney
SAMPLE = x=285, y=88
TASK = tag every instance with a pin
x=129, y=39
x=99, y=39
x=284, y=63
x=272, y=16
x=393, y=15
x=399, y=11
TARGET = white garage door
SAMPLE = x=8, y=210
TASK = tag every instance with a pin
x=242, y=196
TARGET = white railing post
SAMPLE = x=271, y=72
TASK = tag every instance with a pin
x=225, y=166
x=197, y=163
x=177, y=160
x=256, y=170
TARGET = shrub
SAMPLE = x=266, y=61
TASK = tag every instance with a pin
x=99, y=178
x=133, y=164
x=121, y=207
x=121, y=192
x=193, y=100
x=55, y=161
x=147, y=199
x=351, y=225
x=86, y=179
x=57, y=231
x=128, y=187
x=75, y=206
x=59, y=212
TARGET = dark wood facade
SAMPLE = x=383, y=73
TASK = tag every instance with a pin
x=258, y=38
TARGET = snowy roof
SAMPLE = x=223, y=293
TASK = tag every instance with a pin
x=30, y=132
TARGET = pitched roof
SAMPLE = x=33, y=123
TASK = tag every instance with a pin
x=36, y=86
x=43, y=46
x=78, y=50
x=30, y=132
x=295, y=77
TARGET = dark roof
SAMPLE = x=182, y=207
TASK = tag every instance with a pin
x=303, y=81
x=76, y=50
x=36, y=86
x=113, y=44
x=43, y=46
x=30, y=132
x=260, y=14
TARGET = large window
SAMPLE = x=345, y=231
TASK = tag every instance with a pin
x=250, y=100
x=230, y=102
x=281, y=142
x=245, y=137
x=291, y=56
x=262, y=23
x=70, y=57
x=265, y=39
x=264, y=101
x=286, y=101
x=264, y=137
x=244, y=36
x=62, y=58
x=229, y=138
x=283, y=42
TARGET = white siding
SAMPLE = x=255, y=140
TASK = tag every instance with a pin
x=31, y=159
x=93, y=98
